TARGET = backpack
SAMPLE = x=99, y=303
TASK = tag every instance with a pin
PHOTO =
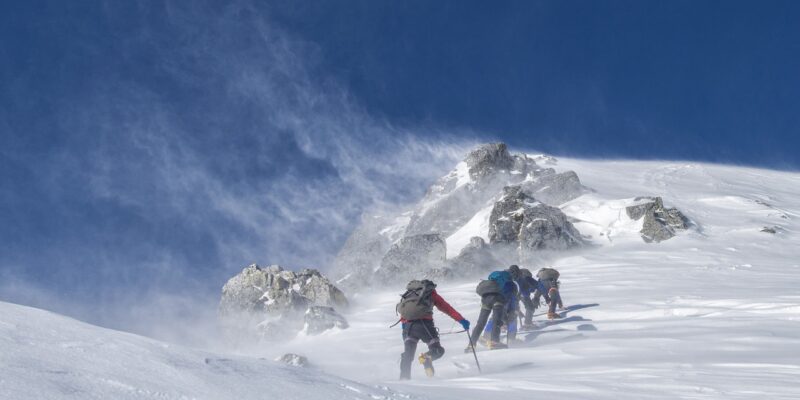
x=487, y=286
x=525, y=273
x=501, y=277
x=548, y=274
x=526, y=281
x=417, y=301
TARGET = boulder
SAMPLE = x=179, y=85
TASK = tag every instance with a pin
x=319, y=319
x=659, y=223
x=555, y=189
x=294, y=360
x=489, y=159
x=271, y=302
x=412, y=256
x=520, y=220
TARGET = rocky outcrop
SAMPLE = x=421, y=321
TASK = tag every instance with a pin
x=456, y=197
x=489, y=159
x=475, y=258
x=555, y=189
x=412, y=256
x=520, y=220
x=294, y=360
x=400, y=247
x=319, y=319
x=659, y=223
x=271, y=302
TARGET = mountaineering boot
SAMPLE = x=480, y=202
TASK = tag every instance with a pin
x=527, y=327
x=496, y=345
x=427, y=363
x=552, y=315
x=469, y=349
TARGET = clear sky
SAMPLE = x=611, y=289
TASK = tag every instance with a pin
x=151, y=149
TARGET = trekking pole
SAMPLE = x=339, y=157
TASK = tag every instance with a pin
x=472, y=346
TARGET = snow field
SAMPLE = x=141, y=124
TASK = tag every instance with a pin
x=713, y=313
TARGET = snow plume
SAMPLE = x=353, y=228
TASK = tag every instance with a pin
x=204, y=139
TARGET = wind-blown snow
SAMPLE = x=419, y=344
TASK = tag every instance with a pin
x=47, y=356
x=476, y=226
x=462, y=174
x=712, y=313
x=603, y=220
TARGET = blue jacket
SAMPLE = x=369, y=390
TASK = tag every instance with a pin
x=506, y=283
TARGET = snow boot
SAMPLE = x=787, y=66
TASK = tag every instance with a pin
x=527, y=327
x=496, y=345
x=427, y=363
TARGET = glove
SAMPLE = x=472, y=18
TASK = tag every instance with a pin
x=465, y=324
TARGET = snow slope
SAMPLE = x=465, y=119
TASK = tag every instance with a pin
x=47, y=356
x=713, y=313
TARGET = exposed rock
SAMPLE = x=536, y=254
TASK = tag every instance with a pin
x=456, y=197
x=544, y=159
x=772, y=229
x=412, y=256
x=386, y=248
x=659, y=223
x=488, y=159
x=520, y=220
x=294, y=360
x=364, y=249
x=555, y=189
x=476, y=257
x=270, y=302
x=319, y=319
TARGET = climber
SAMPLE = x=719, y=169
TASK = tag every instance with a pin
x=416, y=315
x=527, y=285
x=548, y=288
x=496, y=292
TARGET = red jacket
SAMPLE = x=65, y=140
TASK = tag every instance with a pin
x=443, y=306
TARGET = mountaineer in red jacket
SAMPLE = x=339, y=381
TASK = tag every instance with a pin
x=416, y=315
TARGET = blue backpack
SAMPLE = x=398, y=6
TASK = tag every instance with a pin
x=503, y=278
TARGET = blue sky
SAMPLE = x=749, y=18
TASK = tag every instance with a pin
x=149, y=150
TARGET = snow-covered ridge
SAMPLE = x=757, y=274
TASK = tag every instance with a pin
x=458, y=207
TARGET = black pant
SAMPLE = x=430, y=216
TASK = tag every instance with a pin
x=413, y=332
x=494, y=304
x=530, y=308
